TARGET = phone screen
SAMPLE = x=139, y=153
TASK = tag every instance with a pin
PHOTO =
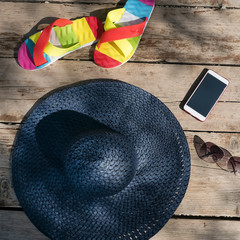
x=206, y=94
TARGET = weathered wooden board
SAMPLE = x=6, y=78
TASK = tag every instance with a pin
x=203, y=229
x=186, y=3
x=208, y=193
x=185, y=35
x=202, y=3
x=225, y=116
x=19, y=89
x=15, y=225
x=168, y=82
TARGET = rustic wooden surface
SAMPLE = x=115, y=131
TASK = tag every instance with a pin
x=182, y=38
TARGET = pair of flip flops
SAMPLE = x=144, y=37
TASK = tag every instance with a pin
x=117, y=39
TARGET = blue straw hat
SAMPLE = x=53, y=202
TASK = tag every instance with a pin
x=103, y=160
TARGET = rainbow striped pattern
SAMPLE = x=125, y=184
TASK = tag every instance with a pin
x=120, y=50
x=63, y=40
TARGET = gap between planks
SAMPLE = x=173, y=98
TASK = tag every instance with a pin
x=218, y=4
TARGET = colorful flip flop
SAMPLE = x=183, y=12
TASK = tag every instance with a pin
x=123, y=30
x=58, y=39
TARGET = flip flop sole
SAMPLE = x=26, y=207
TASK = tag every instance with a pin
x=108, y=55
x=81, y=33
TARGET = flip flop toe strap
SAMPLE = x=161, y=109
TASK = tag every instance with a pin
x=38, y=52
x=119, y=35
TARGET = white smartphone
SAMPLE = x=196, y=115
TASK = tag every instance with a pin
x=206, y=95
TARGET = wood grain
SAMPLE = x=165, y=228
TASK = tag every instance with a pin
x=15, y=111
x=183, y=229
x=15, y=225
x=168, y=82
x=185, y=3
x=201, y=3
x=185, y=35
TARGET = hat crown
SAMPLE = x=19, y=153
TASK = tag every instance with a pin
x=96, y=160
x=100, y=163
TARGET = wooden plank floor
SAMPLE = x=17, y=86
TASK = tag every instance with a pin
x=182, y=38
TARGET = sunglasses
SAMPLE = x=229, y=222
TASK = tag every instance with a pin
x=212, y=153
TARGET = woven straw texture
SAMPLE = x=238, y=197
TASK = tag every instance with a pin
x=103, y=160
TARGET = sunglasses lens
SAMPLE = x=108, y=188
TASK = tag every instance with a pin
x=208, y=151
x=202, y=151
x=217, y=153
x=223, y=162
x=200, y=147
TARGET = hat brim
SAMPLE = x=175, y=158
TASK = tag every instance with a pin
x=143, y=207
